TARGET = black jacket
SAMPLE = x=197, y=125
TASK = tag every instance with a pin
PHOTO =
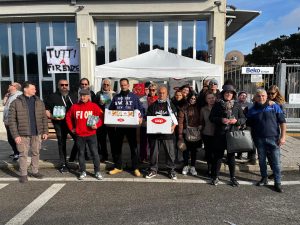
x=218, y=112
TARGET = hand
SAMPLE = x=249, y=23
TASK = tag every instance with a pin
x=140, y=121
x=173, y=128
x=94, y=127
x=18, y=140
x=44, y=136
x=281, y=141
x=232, y=121
x=271, y=102
x=225, y=120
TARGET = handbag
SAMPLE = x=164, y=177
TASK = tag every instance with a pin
x=192, y=134
x=239, y=141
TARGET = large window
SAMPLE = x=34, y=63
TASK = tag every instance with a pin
x=107, y=42
x=187, y=38
x=23, y=54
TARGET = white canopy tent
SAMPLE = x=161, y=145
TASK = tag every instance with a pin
x=157, y=65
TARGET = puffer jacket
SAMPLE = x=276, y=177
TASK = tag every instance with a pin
x=193, y=114
x=18, y=119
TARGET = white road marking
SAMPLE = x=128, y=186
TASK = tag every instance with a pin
x=3, y=185
x=34, y=206
x=143, y=180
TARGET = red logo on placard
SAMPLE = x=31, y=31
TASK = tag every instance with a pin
x=158, y=120
x=120, y=120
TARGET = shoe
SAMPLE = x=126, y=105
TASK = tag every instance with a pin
x=16, y=157
x=23, y=179
x=115, y=171
x=234, y=182
x=193, y=171
x=262, y=182
x=185, y=170
x=278, y=187
x=271, y=176
x=172, y=175
x=137, y=173
x=98, y=176
x=37, y=175
x=82, y=175
x=63, y=169
x=151, y=174
x=215, y=181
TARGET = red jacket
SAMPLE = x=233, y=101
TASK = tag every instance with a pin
x=77, y=118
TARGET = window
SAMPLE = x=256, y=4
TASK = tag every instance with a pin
x=23, y=53
x=107, y=42
x=187, y=38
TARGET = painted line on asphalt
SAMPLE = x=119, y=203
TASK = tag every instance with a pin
x=34, y=206
x=143, y=180
x=3, y=185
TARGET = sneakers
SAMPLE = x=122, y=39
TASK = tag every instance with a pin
x=137, y=173
x=15, y=157
x=172, y=175
x=23, y=179
x=82, y=175
x=185, y=170
x=278, y=187
x=263, y=181
x=151, y=174
x=215, y=181
x=98, y=176
x=115, y=171
x=37, y=175
x=63, y=169
x=193, y=171
x=234, y=182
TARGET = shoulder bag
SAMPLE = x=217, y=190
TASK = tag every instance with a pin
x=192, y=134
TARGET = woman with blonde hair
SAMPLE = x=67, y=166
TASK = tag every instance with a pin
x=275, y=95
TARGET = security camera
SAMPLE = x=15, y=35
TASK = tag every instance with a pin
x=217, y=3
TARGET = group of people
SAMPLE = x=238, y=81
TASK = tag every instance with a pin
x=212, y=111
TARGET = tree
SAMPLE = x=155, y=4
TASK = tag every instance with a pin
x=270, y=53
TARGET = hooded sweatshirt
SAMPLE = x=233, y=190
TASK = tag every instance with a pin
x=77, y=118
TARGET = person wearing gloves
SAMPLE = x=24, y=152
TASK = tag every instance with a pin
x=126, y=101
x=78, y=121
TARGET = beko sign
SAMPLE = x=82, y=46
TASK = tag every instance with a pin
x=257, y=70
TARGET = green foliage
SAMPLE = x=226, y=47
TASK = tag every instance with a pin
x=270, y=53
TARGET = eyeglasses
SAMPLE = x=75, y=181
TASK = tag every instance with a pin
x=272, y=93
x=106, y=84
x=152, y=90
x=64, y=85
x=213, y=84
x=84, y=84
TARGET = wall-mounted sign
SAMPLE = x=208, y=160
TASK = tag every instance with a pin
x=256, y=78
x=294, y=98
x=257, y=70
x=62, y=59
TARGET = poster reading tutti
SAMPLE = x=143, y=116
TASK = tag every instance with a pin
x=62, y=59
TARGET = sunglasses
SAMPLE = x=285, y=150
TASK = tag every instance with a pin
x=64, y=85
x=213, y=84
x=152, y=90
x=105, y=84
x=84, y=84
x=272, y=93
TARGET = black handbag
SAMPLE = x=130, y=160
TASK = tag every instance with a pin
x=239, y=141
x=192, y=134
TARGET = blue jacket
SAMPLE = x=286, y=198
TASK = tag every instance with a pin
x=264, y=120
x=128, y=102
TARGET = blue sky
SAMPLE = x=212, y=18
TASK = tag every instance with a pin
x=278, y=17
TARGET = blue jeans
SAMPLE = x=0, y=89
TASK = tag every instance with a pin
x=268, y=145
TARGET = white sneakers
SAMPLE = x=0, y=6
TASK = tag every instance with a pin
x=191, y=169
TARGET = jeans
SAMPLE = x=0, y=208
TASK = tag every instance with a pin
x=62, y=132
x=191, y=147
x=11, y=141
x=268, y=146
x=91, y=141
x=130, y=133
x=33, y=144
x=168, y=145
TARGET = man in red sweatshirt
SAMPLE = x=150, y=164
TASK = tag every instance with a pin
x=77, y=119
